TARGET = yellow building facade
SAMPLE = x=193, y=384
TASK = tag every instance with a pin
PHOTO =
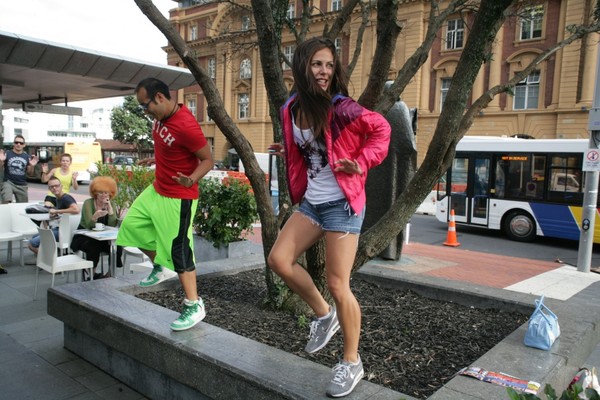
x=552, y=102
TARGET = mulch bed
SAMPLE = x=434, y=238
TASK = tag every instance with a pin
x=408, y=343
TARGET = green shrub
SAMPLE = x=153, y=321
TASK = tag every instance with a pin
x=571, y=393
x=225, y=212
x=130, y=183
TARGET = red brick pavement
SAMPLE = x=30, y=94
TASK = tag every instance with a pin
x=479, y=268
x=467, y=266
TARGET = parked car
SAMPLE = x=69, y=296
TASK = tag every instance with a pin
x=124, y=160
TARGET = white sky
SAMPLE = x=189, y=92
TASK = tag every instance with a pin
x=116, y=27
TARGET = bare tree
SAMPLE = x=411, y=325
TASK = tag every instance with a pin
x=454, y=121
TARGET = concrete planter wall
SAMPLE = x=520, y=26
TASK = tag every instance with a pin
x=130, y=339
x=205, y=251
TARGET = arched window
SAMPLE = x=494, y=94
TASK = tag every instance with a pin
x=245, y=69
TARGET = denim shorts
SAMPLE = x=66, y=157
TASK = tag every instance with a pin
x=334, y=216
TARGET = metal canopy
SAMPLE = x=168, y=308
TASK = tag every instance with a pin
x=34, y=70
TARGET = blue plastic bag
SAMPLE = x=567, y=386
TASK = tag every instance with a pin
x=543, y=327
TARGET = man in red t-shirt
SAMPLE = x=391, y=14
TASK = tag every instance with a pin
x=159, y=221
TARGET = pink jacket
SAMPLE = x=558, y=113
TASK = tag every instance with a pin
x=355, y=133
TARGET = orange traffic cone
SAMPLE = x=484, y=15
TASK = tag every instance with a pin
x=451, y=238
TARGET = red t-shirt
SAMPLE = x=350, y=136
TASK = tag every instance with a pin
x=175, y=141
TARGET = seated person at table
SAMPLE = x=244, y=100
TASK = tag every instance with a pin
x=61, y=203
x=98, y=209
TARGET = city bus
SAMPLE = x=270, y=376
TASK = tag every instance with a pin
x=524, y=187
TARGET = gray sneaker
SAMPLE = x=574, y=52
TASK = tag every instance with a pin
x=346, y=377
x=321, y=330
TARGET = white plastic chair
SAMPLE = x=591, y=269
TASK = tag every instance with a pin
x=48, y=260
x=64, y=234
x=6, y=232
x=22, y=224
x=134, y=252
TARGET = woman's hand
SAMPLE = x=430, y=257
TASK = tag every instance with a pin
x=109, y=207
x=276, y=149
x=99, y=214
x=348, y=166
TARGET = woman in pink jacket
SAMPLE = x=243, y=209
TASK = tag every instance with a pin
x=329, y=143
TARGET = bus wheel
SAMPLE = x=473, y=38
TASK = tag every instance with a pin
x=520, y=226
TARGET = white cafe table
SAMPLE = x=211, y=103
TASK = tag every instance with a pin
x=43, y=218
x=108, y=233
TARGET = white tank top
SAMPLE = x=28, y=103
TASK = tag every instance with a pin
x=322, y=185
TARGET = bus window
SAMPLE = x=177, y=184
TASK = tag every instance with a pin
x=565, y=181
x=481, y=189
x=458, y=186
x=441, y=187
x=534, y=188
x=517, y=173
x=501, y=169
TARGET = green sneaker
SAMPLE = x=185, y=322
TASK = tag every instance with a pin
x=193, y=312
x=157, y=275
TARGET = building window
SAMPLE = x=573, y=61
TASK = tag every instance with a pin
x=245, y=69
x=193, y=32
x=444, y=86
x=455, y=34
x=336, y=5
x=531, y=22
x=527, y=92
x=291, y=11
x=190, y=3
x=243, y=106
x=338, y=46
x=245, y=23
x=191, y=104
x=288, y=51
x=212, y=67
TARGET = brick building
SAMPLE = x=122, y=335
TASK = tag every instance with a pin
x=552, y=102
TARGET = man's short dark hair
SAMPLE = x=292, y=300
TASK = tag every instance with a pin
x=153, y=86
x=54, y=178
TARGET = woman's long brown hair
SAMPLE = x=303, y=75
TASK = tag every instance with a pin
x=313, y=101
